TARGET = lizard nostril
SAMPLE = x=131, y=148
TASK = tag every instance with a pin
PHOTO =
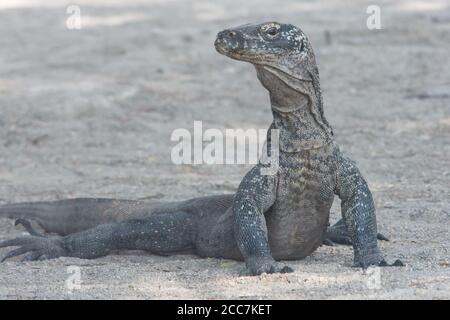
x=231, y=34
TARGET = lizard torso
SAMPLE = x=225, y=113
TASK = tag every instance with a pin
x=298, y=219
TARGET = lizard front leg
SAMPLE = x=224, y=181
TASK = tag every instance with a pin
x=256, y=194
x=358, y=212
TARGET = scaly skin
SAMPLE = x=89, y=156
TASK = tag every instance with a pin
x=271, y=217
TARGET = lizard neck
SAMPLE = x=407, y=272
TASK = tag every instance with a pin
x=297, y=111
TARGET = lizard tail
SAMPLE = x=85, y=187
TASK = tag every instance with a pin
x=65, y=216
x=22, y=210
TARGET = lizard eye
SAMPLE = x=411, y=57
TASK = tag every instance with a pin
x=272, y=31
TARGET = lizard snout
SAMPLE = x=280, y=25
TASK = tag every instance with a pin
x=226, y=35
x=228, y=41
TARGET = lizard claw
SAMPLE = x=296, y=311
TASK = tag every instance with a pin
x=376, y=260
x=382, y=237
x=257, y=266
x=397, y=263
x=34, y=248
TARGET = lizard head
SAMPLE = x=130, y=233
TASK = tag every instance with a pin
x=284, y=61
x=272, y=45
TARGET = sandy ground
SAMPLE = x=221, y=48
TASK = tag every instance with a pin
x=89, y=113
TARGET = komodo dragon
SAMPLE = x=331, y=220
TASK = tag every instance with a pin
x=282, y=216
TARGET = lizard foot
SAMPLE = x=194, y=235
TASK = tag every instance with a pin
x=34, y=247
x=259, y=265
x=376, y=260
x=338, y=234
x=397, y=263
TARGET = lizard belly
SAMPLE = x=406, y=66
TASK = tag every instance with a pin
x=298, y=219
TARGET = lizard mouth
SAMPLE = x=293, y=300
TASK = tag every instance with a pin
x=220, y=46
x=225, y=44
x=232, y=49
x=240, y=44
x=230, y=43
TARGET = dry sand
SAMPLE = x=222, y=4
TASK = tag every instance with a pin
x=89, y=113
